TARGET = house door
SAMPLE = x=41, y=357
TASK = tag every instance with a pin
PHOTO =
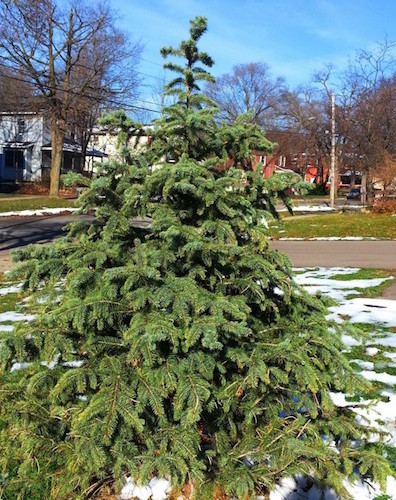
x=14, y=164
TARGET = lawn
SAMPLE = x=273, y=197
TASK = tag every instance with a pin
x=340, y=225
x=11, y=203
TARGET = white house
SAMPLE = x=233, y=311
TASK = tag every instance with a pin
x=22, y=136
x=104, y=143
x=25, y=148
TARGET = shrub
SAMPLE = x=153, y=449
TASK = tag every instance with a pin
x=384, y=206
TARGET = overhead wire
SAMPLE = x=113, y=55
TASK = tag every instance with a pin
x=91, y=97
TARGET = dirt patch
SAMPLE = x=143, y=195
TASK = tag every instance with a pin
x=6, y=262
x=390, y=291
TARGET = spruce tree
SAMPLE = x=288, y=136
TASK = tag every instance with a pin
x=182, y=348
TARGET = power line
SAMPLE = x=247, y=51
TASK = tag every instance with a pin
x=151, y=62
x=94, y=98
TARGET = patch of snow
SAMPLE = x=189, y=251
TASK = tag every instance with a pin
x=160, y=488
x=19, y=366
x=371, y=351
x=10, y=289
x=15, y=316
x=320, y=281
x=350, y=341
x=298, y=489
x=6, y=328
x=326, y=272
x=339, y=399
x=74, y=364
x=361, y=310
x=380, y=415
x=365, y=365
x=309, y=208
x=127, y=490
x=49, y=364
x=43, y=211
x=385, y=378
x=368, y=491
x=156, y=489
x=339, y=285
x=388, y=341
x=264, y=222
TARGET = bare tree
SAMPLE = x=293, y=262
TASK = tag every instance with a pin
x=72, y=55
x=306, y=116
x=250, y=87
x=365, y=112
x=16, y=93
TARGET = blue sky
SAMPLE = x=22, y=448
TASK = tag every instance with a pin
x=294, y=37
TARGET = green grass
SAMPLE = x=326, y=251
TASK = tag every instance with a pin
x=378, y=330
x=12, y=204
x=363, y=274
x=370, y=292
x=366, y=225
x=8, y=302
x=367, y=274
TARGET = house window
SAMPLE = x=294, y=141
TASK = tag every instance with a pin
x=21, y=126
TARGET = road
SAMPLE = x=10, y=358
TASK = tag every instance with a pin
x=20, y=231
x=342, y=253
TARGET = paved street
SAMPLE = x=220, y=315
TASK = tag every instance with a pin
x=20, y=231
x=328, y=253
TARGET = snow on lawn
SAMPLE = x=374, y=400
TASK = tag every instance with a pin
x=42, y=211
x=320, y=208
x=10, y=289
x=320, y=280
x=380, y=414
x=15, y=316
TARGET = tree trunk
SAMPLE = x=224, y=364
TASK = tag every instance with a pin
x=57, y=136
x=352, y=180
x=363, y=188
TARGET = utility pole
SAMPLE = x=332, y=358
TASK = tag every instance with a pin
x=333, y=176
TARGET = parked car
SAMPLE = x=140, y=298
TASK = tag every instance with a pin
x=353, y=194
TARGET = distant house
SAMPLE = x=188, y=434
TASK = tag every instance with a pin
x=104, y=144
x=25, y=148
x=22, y=136
x=271, y=164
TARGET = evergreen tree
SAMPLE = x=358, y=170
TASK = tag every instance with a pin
x=180, y=349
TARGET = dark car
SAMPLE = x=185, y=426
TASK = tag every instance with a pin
x=354, y=194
